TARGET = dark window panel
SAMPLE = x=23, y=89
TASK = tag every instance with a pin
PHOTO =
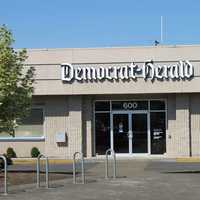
x=130, y=105
x=158, y=132
x=157, y=105
x=34, y=117
x=120, y=131
x=102, y=131
x=102, y=106
x=140, y=129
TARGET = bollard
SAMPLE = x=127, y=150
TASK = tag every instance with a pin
x=82, y=167
x=46, y=170
x=5, y=175
x=114, y=163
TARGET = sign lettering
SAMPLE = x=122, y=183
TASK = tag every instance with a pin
x=149, y=70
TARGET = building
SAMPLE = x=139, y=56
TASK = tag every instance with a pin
x=135, y=100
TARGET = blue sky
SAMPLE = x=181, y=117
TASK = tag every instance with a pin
x=92, y=23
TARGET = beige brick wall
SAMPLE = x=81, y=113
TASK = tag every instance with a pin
x=74, y=115
x=56, y=112
x=195, y=123
x=171, y=126
x=22, y=148
x=48, y=71
x=87, y=120
x=182, y=125
x=178, y=144
x=75, y=124
x=63, y=114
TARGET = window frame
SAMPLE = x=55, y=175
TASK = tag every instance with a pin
x=41, y=138
x=165, y=99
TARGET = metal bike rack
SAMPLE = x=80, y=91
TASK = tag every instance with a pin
x=46, y=170
x=5, y=175
x=82, y=167
x=114, y=163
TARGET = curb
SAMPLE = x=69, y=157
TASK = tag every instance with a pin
x=188, y=160
x=19, y=161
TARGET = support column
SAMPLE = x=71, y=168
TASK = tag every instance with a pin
x=182, y=131
x=171, y=126
x=75, y=123
x=87, y=119
x=195, y=124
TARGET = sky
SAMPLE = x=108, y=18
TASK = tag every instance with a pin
x=100, y=23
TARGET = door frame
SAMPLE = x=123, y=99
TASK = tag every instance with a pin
x=130, y=112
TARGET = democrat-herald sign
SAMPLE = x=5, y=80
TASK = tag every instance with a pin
x=182, y=70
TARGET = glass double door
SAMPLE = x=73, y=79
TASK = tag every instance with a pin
x=129, y=132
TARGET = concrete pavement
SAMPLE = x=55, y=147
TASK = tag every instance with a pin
x=137, y=179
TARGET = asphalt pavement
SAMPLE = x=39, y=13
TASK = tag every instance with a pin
x=136, y=179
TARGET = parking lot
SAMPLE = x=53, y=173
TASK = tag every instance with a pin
x=136, y=179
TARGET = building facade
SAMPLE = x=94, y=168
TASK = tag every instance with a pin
x=139, y=101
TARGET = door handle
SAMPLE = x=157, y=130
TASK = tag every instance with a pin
x=130, y=134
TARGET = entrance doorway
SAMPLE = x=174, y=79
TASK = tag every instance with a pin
x=130, y=127
x=129, y=132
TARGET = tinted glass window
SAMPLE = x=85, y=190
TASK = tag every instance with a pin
x=120, y=133
x=102, y=106
x=102, y=130
x=158, y=132
x=157, y=105
x=140, y=130
x=129, y=105
x=35, y=117
x=31, y=126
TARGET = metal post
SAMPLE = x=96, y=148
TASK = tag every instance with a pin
x=161, y=29
x=5, y=175
x=46, y=170
x=74, y=169
x=38, y=172
x=106, y=165
x=114, y=166
x=114, y=163
x=82, y=167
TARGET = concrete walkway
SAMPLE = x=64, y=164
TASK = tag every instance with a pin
x=137, y=179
